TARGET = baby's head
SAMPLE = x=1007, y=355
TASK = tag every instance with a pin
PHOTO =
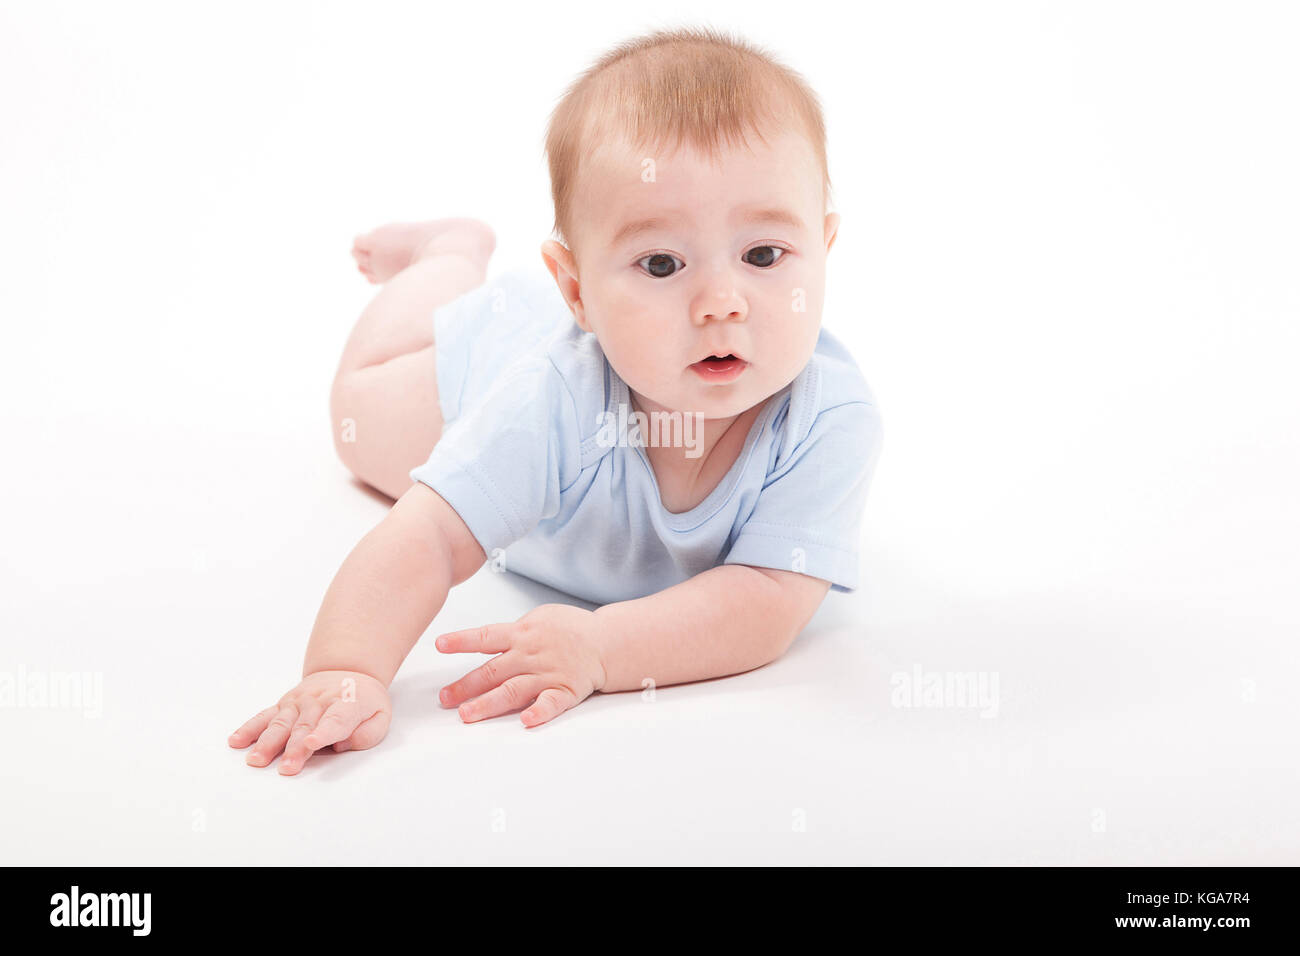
x=689, y=176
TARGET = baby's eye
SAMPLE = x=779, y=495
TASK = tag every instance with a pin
x=661, y=265
x=768, y=256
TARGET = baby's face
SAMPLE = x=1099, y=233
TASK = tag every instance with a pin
x=680, y=258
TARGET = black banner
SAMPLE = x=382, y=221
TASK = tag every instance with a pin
x=1228, y=906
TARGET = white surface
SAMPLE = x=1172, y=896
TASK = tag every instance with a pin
x=1068, y=266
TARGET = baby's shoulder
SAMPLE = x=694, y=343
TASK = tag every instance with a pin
x=583, y=383
x=565, y=375
x=830, y=395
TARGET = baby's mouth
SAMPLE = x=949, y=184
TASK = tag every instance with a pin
x=719, y=367
x=721, y=357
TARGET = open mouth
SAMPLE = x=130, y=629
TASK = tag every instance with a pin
x=720, y=368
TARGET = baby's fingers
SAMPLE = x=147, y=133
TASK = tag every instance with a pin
x=363, y=736
x=272, y=740
x=550, y=703
x=511, y=695
x=295, y=751
x=481, y=680
x=340, y=719
x=252, y=728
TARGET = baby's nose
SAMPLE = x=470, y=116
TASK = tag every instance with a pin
x=721, y=303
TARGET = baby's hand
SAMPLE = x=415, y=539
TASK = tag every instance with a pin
x=348, y=709
x=549, y=658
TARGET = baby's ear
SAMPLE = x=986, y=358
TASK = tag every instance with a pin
x=832, y=229
x=560, y=263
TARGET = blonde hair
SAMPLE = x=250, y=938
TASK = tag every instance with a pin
x=691, y=84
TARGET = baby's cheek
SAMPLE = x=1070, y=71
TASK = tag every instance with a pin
x=644, y=369
x=791, y=341
x=635, y=361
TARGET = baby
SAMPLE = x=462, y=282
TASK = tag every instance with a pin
x=661, y=427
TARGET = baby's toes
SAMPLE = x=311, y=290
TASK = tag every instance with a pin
x=360, y=248
x=364, y=262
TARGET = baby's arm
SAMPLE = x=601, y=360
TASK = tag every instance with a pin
x=723, y=621
x=391, y=586
x=726, y=620
x=384, y=596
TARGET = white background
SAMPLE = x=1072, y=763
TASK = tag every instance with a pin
x=1068, y=266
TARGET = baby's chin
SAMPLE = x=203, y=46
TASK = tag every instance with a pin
x=690, y=393
x=711, y=401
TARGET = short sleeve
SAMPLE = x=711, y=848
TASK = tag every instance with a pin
x=502, y=464
x=808, y=516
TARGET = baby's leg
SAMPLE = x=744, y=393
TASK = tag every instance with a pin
x=384, y=401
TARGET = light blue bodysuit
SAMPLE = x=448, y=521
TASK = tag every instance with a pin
x=526, y=458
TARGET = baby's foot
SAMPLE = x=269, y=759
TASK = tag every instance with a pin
x=386, y=251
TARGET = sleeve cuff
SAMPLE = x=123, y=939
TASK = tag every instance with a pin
x=469, y=494
x=780, y=550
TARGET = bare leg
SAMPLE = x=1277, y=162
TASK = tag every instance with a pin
x=384, y=401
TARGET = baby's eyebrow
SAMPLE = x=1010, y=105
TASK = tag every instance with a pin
x=746, y=217
x=781, y=217
x=635, y=228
